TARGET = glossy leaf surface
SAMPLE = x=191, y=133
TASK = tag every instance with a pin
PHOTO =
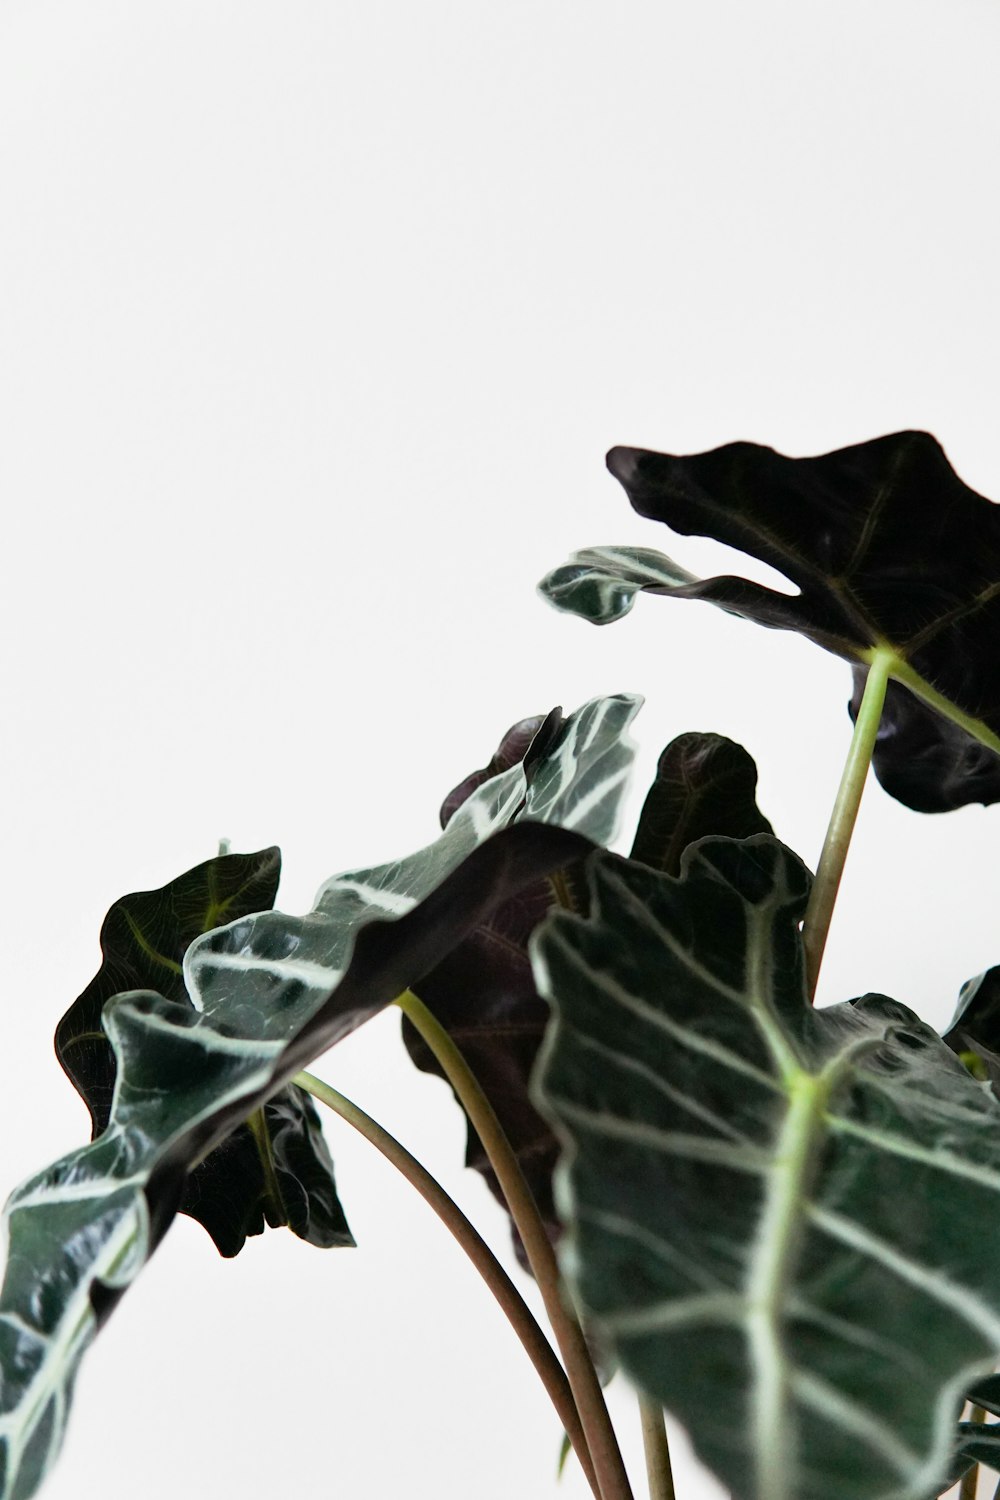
x=143, y=941
x=271, y=993
x=783, y=1219
x=889, y=550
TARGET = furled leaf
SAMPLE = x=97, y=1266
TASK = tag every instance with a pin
x=890, y=551
x=143, y=942
x=271, y=993
x=783, y=1219
x=705, y=785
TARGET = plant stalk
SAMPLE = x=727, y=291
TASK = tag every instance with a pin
x=970, y=1479
x=845, y=811
x=601, y=1441
x=257, y=1123
x=659, y=1474
x=536, y=1345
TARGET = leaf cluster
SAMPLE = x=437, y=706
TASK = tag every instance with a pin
x=778, y=1220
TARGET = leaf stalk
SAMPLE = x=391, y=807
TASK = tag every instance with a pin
x=823, y=897
x=272, y=1189
x=659, y=1474
x=970, y=1479
x=536, y=1345
x=612, y=1480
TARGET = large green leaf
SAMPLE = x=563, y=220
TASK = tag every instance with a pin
x=283, y=1177
x=270, y=992
x=784, y=1220
x=890, y=552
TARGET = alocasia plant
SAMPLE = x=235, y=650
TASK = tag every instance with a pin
x=780, y=1221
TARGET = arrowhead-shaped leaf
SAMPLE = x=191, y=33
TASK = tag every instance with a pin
x=143, y=942
x=889, y=550
x=271, y=993
x=783, y=1219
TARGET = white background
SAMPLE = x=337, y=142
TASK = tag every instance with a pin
x=316, y=320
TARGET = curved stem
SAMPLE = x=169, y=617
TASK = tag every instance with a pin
x=659, y=1474
x=535, y=1343
x=845, y=811
x=970, y=1479
x=601, y=1440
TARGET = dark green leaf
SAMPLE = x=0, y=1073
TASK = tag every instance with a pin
x=705, y=785
x=272, y=993
x=783, y=1219
x=143, y=942
x=890, y=552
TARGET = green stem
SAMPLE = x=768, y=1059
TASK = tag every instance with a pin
x=604, y=1451
x=970, y=1479
x=535, y=1343
x=845, y=811
x=276, y=1214
x=922, y=689
x=659, y=1474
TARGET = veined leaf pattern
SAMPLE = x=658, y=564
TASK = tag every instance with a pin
x=270, y=993
x=143, y=941
x=784, y=1220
